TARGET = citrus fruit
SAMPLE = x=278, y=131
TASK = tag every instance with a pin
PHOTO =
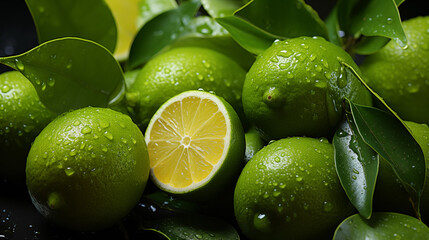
x=126, y=14
x=182, y=69
x=254, y=143
x=196, y=145
x=390, y=194
x=88, y=168
x=296, y=88
x=22, y=117
x=401, y=76
x=290, y=190
x=382, y=225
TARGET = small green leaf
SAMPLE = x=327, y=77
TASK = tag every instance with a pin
x=205, y=32
x=250, y=37
x=90, y=20
x=286, y=18
x=357, y=167
x=161, y=31
x=222, y=8
x=370, y=45
x=381, y=226
x=148, y=9
x=392, y=140
x=379, y=18
x=70, y=73
x=192, y=226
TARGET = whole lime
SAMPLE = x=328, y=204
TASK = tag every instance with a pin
x=181, y=69
x=401, y=75
x=390, y=193
x=88, y=168
x=296, y=88
x=290, y=190
x=22, y=117
x=254, y=143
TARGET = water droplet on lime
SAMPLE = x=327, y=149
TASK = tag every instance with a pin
x=262, y=222
x=69, y=171
x=86, y=130
x=19, y=65
x=327, y=207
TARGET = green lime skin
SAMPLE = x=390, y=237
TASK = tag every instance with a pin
x=401, y=76
x=390, y=194
x=179, y=70
x=296, y=88
x=254, y=143
x=22, y=117
x=87, y=169
x=290, y=190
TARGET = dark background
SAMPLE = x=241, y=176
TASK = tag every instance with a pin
x=18, y=217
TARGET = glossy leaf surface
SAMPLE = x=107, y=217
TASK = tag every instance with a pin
x=286, y=18
x=370, y=45
x=357, y=167
x=381, y=226
x=389, y=137
x=192, y=227
x=205, y=32
x=160, y=32
x=90, y=20
x=250, y=37
x=222, y=8
x=70, y=73
x=148, y=9
x=380, y=18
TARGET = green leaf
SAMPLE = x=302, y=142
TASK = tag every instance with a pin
x=333, y=27
x=160, y=32
x=370, y=45
x=381, y=226
x=250, y=37
x=392, y=140
x=90, y=20
x=205, y=32
x=357, y=167
x=286, y=18
x=70, y=73
x=351, y=70
x=345, y=13
x=379, y=18
x=171, y=203
x=148, y=9
x=222, y=8
x=192, y=226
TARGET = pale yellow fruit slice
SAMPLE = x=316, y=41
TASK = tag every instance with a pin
x=190, y=139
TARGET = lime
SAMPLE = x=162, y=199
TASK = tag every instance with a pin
x=182, y=69
x=254, y=143
x=391, y=194
x=196, y=145
x=22, y=117
x=88, y=168
x=401, y=76
x=290, y=190
x=296, y=88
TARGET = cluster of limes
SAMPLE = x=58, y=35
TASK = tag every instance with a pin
x=207, y=122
